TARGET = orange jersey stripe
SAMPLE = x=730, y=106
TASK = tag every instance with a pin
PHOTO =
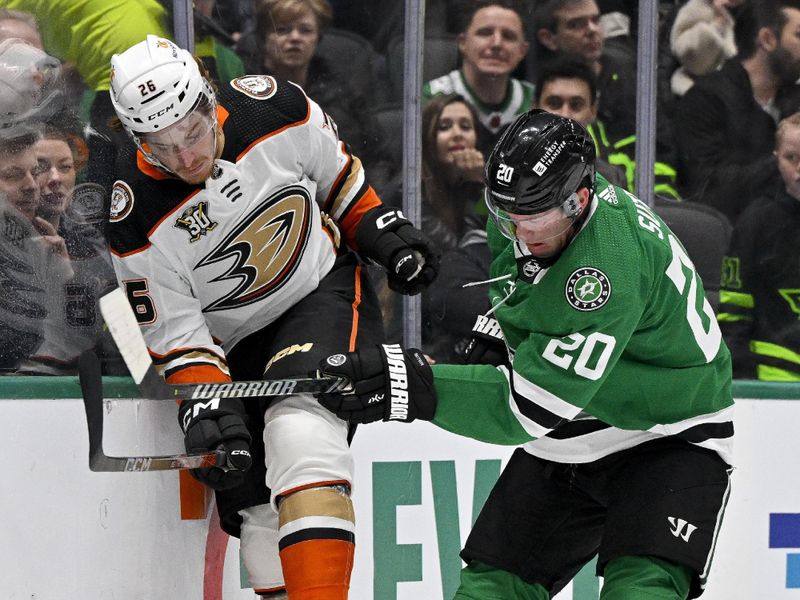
x=198, y=374
x=274, y=133
x=350, y=222
x=356, y=303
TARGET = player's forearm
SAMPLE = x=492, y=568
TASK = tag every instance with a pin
x=473, y=401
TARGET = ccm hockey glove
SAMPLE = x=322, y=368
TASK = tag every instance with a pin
x=389, y=384
x=407, y=254
x=217, y=423
x=487, y=345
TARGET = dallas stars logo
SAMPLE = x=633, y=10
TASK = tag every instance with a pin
x=587, y=289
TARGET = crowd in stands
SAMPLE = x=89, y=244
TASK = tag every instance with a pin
x=727, y=138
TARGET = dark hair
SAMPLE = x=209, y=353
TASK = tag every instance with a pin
x=563, y=67
x=755, y=15
x=465, y=19
x=434, y=184
x=544, y=14
x=18, y=142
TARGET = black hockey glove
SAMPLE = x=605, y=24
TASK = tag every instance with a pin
x=217, y=423
x=487, y=345
x=390, y=384
x=407, y=254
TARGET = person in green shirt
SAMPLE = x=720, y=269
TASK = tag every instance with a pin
x=612, y=376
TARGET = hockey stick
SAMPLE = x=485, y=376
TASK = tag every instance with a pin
x=122, y=324
x=92, y=390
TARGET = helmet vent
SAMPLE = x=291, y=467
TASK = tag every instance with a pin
x=151, y=98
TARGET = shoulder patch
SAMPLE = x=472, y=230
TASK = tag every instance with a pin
x=587, y=289
x=121, y=201
x=259, y=87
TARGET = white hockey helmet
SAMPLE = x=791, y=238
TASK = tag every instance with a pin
x=155, y=84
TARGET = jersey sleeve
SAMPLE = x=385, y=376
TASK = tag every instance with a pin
x=538, y=393
x=343, y=191
x=179, y=340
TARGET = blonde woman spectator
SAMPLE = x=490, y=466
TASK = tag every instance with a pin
x=701, y=39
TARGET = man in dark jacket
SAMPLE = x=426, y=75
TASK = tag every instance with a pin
x=726, y=123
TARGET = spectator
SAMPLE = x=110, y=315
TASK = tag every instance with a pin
x=568, y=87
x=452, y=188
x=726, y=121
x=34, y=258
x=759, y=300
x=72, y=324
x=452, y=168
x=572, y=28
x=491, y=45
x=701, y=39
x=288, y=32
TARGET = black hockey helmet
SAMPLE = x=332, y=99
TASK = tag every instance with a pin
x=539, y=163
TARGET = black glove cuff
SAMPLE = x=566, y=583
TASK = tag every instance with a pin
x=408, y=376
x=374, y=224
x=212, y=408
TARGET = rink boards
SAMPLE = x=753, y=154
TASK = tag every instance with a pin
x=69, y=533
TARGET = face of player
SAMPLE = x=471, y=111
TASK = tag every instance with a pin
x=186, y=148
x=494, y=43
x=56, y=176
x=292, y=44
x=784, y=59
x=455, y=131
x=546, y=234
x=570, y=98
x=578, y=31
x=18, y=184
x=788, y=155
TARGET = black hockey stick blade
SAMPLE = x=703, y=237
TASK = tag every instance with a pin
x=91, y=382
x=124, y=328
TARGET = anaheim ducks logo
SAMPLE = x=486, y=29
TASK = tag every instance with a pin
x=266, y=249
x=121, y=201
x=259, y=87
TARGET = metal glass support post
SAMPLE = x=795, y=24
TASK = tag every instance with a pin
x=183, y=24
x=412, y=147
x=646, y=100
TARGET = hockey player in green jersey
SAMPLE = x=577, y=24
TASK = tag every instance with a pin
x=616, y=383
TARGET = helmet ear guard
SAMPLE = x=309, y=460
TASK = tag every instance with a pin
x=572, y=206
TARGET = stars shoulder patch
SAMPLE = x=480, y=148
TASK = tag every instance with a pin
x=587, y=289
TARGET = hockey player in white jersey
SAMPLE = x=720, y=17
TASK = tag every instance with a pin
x=233, y=225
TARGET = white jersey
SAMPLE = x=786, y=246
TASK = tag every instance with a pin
x=518, y=98
x=206, y=265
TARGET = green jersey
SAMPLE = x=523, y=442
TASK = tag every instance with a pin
x=611, y=346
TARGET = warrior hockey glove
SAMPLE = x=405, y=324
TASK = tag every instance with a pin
x=487, y=345
x=217, y=423
x=390, y=384
x=406, y=253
